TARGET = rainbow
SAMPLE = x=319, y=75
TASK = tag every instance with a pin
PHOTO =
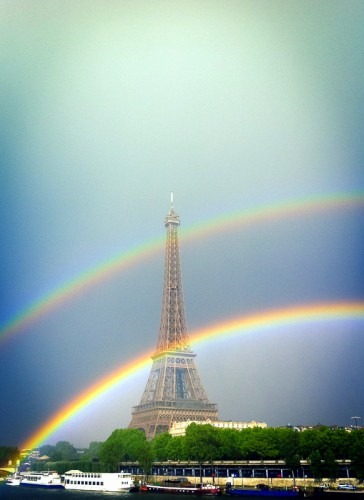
x=125, y=260
x=265, y=320
x=77, y=286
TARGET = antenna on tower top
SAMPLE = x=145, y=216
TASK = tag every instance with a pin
x=171, y=199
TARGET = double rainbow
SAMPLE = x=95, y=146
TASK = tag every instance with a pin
x=116, y=264
x=265, y=320
x=262, y=321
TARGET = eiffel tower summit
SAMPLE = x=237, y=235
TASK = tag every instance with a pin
x=174, y=391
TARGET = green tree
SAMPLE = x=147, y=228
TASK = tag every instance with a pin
x=65, y=450
x=340, y=443
x=176, y=448
x=201, y=443
x=56, y=456
x=229, y=444
x=356, y=453
x=289, y=443
x=47, y=450
x=123, y=445
x=310, y=441
x=317, y=465
x=264, y=443
x=246, y=444
x=258, y=444
x=146, y=457
x=93, y=452
x=331, y=467
x=160, y=446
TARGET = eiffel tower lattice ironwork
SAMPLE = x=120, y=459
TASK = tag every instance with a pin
x=174, y=392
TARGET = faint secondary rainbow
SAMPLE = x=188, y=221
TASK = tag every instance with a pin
x=116, y=264
x=79, y=284
x=261, y=321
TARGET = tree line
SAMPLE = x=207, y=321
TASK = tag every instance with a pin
x=321, y=447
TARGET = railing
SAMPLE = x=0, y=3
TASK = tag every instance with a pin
x=239, y=469
x=191, y=405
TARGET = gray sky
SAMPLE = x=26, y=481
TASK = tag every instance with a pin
x=109, y=106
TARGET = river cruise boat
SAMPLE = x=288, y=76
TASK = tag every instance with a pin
x=97, y=481
x=178, y=487
x=13, y=480
x=49, y=480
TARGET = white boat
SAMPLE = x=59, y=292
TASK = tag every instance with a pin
x=178, y=487
x=97, y=481
x=13, y=480
x=50, y=480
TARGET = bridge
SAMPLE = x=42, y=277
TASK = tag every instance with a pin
x=5, y=471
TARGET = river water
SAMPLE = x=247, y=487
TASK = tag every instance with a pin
x=17, y=493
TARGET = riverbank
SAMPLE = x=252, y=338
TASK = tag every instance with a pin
x=279, y=483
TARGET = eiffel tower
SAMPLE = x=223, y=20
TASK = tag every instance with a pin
x=174, y=392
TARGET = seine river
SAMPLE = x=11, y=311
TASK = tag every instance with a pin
x=38, y=493
x=15, y=492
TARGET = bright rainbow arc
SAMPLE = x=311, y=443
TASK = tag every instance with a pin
x=103, y=271
x=320, y=312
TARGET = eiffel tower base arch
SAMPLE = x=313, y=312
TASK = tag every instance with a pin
x=157, y=417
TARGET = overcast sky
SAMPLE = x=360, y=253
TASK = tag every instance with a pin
x=107, y=107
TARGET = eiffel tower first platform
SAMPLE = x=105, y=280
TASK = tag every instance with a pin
x=174, y=391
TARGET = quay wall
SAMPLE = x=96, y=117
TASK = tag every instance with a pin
x=304, y=483
x=273, y=473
